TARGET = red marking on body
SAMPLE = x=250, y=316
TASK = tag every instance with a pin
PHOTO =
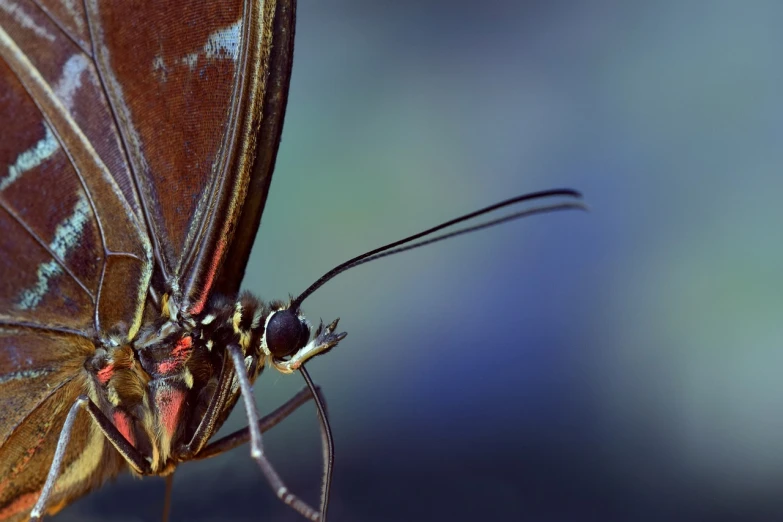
x=123, y=423
x=183, y=347
x=169, y=405
x=179, y=355
x=168, y=366
x=198, y=306
x=105, y=373
x=21, y=504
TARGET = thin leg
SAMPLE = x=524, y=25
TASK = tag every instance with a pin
x=256, y=445
x=268, y=422
x=327, y=444
x=167, y=499
x=114, y=436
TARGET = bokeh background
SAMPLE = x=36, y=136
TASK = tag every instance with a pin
x=623, y=364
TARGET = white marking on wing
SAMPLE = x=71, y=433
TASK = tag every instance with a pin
x=159, y=66
x=76, y=15
x=190, y=60
x=70, y=81
x=23, y=375
x=66, y=236
x=25, y=20
x=223, y=44
x=68, y=233
x=31, y=158
x=30, y=298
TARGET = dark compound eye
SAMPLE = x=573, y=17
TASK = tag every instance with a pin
x=285, y=334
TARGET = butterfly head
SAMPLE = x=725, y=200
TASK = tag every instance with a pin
x=286, y=340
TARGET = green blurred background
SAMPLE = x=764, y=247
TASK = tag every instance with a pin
x=618, y=365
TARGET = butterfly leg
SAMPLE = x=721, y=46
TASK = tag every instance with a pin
x=256, y=445
x=167, y=497
x=265, y=424
x=327, y=444
x=242, y=436
x=111, y=432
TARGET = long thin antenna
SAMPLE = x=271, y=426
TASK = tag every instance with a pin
x=397, y=246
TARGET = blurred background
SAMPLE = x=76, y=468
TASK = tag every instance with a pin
x=622, y=364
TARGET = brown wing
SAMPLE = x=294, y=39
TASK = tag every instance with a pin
x=186, y=81
x=69, y=230
x=40, y=378
x=282, y=27
x=74, y=254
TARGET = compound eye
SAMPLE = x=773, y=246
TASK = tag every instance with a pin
x=285, y=334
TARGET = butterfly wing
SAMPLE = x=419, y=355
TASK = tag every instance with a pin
x=128, y=138
x=69, y=236
x=278, y=66
x=187, y=81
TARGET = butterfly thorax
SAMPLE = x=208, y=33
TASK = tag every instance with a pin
x=157, y=389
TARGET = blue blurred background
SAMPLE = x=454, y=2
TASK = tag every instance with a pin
x=618, y=365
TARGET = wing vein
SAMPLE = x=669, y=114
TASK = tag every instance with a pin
x=26, y=72
x=157, y=251
x=48, y=328
x=42, y=243
x=61, y=27
x=32, y=411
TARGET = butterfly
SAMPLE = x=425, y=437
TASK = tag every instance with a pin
x=137, y=149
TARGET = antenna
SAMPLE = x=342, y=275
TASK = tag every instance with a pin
x=573, y=202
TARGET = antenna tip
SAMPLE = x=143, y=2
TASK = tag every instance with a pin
x=555, y=192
